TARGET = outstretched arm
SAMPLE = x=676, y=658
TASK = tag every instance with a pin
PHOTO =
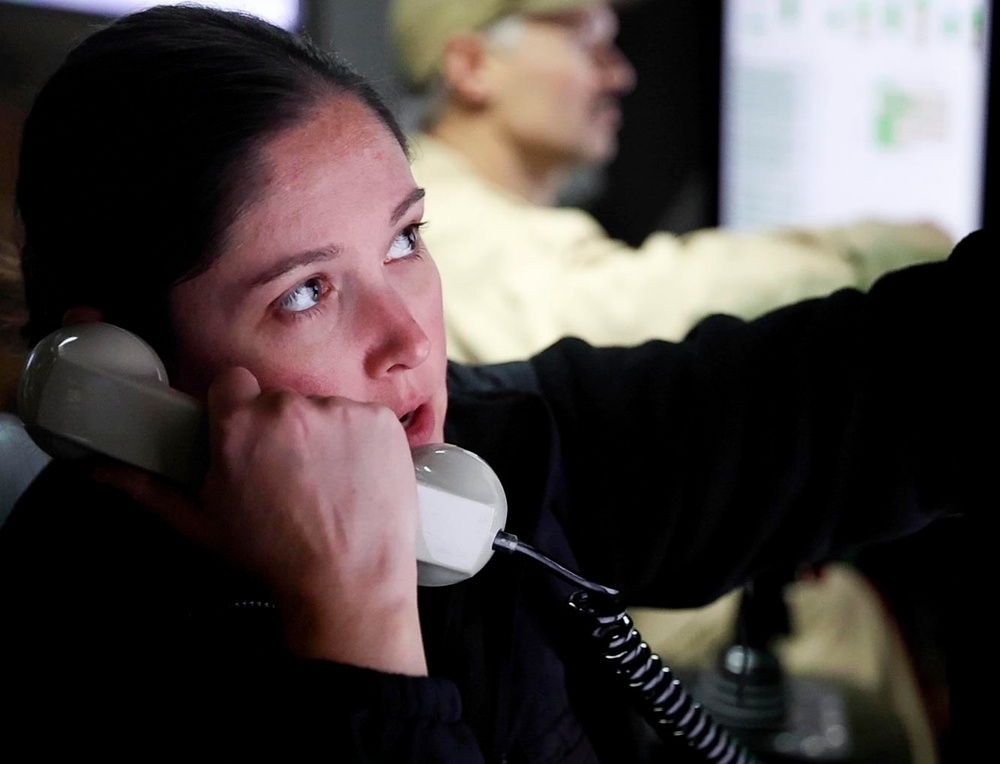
x=825, y=424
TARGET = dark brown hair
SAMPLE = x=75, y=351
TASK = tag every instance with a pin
x=142, y=147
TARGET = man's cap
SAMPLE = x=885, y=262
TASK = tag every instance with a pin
x=420, y=29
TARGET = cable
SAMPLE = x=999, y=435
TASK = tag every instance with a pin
x=657, y=693
x=511, y=544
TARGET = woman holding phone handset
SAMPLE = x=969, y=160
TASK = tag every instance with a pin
x=244, y=203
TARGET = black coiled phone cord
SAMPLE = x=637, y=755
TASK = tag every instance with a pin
x=658, y=694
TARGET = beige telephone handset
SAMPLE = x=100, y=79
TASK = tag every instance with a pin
x=99, y=388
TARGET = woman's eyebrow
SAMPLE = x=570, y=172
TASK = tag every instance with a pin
x=326, y=253
x=414, y=196
x=292, y=262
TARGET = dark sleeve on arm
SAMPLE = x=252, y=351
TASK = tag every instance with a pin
x=262, y=708
x=124, y=638
x=361, y=715
x=690, y=467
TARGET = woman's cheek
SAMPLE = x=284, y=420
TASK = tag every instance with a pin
x=297, y=369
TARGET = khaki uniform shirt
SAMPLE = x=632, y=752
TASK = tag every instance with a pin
x=518, y=276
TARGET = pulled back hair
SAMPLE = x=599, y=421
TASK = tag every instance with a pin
x=142, y=148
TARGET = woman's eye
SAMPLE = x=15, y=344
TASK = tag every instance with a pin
x=405, y=244
x=306, y=295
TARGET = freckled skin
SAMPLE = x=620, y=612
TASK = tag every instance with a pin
x=376, y=333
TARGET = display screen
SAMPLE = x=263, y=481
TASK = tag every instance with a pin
x=284, y=13
x=836, y=110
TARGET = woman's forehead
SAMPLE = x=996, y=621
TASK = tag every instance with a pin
x=340, y=149
x=338, y=128
x=333, y=180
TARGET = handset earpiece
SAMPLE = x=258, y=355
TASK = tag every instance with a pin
x=98, y=388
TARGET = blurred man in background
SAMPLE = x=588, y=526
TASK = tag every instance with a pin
x=516, y=95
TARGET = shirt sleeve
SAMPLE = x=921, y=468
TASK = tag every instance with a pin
x=518, y=276
x=540, y=274
x=356, y=714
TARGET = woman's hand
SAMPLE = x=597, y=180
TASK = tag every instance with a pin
x=317, y=498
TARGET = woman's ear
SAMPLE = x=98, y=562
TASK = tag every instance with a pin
x=82, y=314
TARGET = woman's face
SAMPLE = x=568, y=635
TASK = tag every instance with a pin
x=323, y=285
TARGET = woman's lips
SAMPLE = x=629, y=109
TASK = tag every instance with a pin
x=419, y=425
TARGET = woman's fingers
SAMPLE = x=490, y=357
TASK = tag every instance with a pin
x=316, y=497
x=234, y=388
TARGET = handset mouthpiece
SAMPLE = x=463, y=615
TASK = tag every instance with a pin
x=462, y=509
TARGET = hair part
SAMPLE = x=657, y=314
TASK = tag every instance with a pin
x=144, y=146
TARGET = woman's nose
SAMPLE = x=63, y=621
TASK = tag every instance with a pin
x=397, y=340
